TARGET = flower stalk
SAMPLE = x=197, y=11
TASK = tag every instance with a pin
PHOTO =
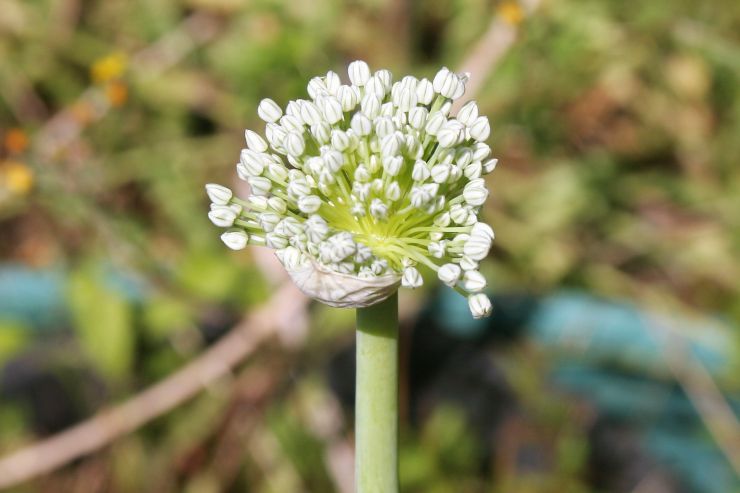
x=376, y=398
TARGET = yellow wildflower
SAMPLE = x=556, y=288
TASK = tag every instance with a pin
x=16, y=177
x=511, y=12
x=108, y=68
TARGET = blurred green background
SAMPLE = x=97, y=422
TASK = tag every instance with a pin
x=611, y=362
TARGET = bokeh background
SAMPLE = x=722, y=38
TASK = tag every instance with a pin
x=610, y=365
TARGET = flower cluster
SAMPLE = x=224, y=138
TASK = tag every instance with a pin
x=360, y=184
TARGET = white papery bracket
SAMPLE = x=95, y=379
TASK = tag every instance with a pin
x=341, y=290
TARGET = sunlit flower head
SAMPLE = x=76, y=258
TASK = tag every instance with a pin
x=364, y=182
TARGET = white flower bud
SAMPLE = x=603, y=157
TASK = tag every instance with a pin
x=482, y=230
x=294, y=107
x=451, y=133
x=473, y=170
x=269, y=111
x=481, y=150
x=290, y=256
x=468, y=113
x=489, y=165
x=343, y=246
x=437, y=248
x=407, y=99
x=276, y=241
x=241, y=171
x=218, y=194
x=294, y=144
x=321, y=132
x=348, y=98
x=292, y=226
x=445, y=82
x=254, y=141
x=475, y=192
x=361, y=174
x=332, y=109
x=316, y=228
x=393, y=191
x=378, y=209
x=298, y=188
x=379, y=266
x=363, y=253
x=442, y=220
x=253, y=163
x=420, y=171
x=387, y=109
x=292, y=123
x=361, y=124
x=277, y=204
x=467, y=263
x=332, y=160
x=260, y=185
x=449, y=274
x=268, y=221
x=316, y=87
x=435, y=123
x=277, y=171
x=440, y=173
x=370, y=106
x=418, y=117
x=309, y=204
x=480, y=305
x=384, y=126
x=463, y=156
x=411, y=278
x=359, y=73
x=477, y=248
x=431, y=189
x=373, y=166
x=385, y=77
x=332, y=81
x=257, y=202
x=375, y=86
x=455, y=174
x=480, y=129
x=275, y=136
x=222, y=216
x=390, y=146
x=418, y=196
x=459, y=214
x=392, y=165
x=361, y=190
x=473, y=281
x=358, y=209
x=424, y=91
x=339, y=140
x=236, y=239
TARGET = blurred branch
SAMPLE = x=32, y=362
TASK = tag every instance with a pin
x=493, y=45
x=703, y=392
x=215, y=363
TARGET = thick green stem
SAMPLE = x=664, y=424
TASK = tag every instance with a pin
x=376, y=398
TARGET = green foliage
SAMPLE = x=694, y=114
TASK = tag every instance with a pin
x=103, y=321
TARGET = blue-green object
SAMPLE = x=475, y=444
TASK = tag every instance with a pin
x=36, y=298
x=33, y=298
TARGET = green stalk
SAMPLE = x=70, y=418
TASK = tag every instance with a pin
x=376, y=398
